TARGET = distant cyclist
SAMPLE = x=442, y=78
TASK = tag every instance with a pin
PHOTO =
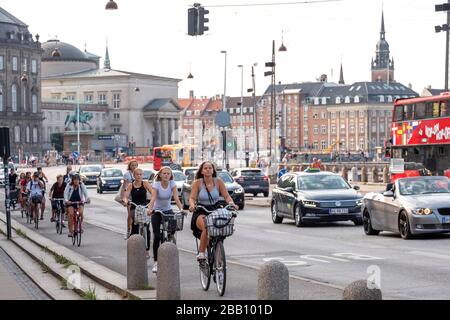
x=57, y=192
x=206, y=191
x=44, y=179
x=35, y=188
x=75, y=192
x=128, y=179
x=164, y=189
x=67, y=178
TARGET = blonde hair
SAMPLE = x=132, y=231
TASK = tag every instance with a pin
x=138, y=170
x=158, y=175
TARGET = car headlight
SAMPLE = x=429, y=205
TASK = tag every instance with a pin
x=422, y=211
x=103, y=181
x=240, y=190
x=310, y=204
x=359, y=202
x=121, y=181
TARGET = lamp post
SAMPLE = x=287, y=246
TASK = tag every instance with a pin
x=446, y=28
x=224, y=132
x=242, y=112
x=255, y=118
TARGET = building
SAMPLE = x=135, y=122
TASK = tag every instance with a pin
x=142, y=108
x=428, y=91
x=20, y=86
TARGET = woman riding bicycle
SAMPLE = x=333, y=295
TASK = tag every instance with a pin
x=128, y=179
x=138, y=190
x=35, y=189
x=57, y=192
x=75, y=192
x=163, y=189
x=206, y=191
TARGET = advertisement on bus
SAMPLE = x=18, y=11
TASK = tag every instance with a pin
x=421, y=132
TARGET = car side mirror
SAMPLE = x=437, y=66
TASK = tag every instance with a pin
x=357, y=188
x=289, y=189
x=389, y=194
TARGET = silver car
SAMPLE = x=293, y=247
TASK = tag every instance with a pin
x=411, y=206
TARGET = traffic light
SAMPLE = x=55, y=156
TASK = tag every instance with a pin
x=202, y=12
x=193, y=21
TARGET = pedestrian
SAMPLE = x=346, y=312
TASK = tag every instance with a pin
x=128, y=179
x=315, y=164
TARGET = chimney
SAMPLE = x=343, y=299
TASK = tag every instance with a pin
x=191, y=94
x=323, y=78
x=429, y=87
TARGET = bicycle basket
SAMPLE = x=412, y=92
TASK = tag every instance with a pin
x=180, y=221
x=220, y=223
x=170, y=223
x=140, y=215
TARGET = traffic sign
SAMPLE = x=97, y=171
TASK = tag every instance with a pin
x=75, y=154
x=106, y=137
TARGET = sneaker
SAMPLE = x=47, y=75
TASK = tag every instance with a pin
x=52, y=219
x=63, y=225
x=127, y=235
x=70, y=235
x=155, y=267
x=42, y=218
x=201, y=256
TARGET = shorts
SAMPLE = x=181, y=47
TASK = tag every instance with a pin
x=196, y=231
x=36, y=199
x=54, y=205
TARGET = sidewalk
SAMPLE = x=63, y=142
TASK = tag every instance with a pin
x=14, y=284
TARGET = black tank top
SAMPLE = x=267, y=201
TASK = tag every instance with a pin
x=138, y=195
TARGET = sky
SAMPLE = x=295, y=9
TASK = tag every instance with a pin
x=151, y=37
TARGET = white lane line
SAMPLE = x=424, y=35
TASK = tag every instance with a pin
x=430, y=254
x=248, y=256
x=274, y=231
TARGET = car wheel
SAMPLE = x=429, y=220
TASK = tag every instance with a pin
x=275, y=217
x=403, y=226
x=255, y=195
x=298, y=216
x=266, y=194
x=241, y=207
x=358, y=222
x=367, y=225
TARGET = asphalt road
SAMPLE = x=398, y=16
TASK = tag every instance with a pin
x=334, y=254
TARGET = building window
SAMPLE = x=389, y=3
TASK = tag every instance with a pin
x=324, y=144
x=116, y=101
x=16, y=134
x=2, y=63
x=27, y=136
x=347, y=99
x=342, y=114
x=35, y=135
x=316, y=129
x=361, y=113
x=361, y=144
x=116, y=130
x=25, y=65
x=324, y=100
x=374, y=127
x=352, y=114
x=382, y=127
x=361, y=129
x=316, y=145
x=102, y=98
x=381, y=98
x=88, y=98
x=352, y=129
x=333, y=129
x=34, y=66
x=323, y=129
x=389, y=98
x=197, y=112
x=188, y=113
x=333, y=115
x=356, y=99
x=58, y=116
x=352, y=145
x=338, y=100
x=14, y=97
x=316, y=100
x=34, y=103
x=342, y=128
x=381, y=113
x=14, y=64
x=116, y=116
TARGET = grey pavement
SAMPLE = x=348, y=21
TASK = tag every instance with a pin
x=14, y=284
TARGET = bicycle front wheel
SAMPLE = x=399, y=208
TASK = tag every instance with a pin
x=79, y=231
x=36, y=218
x=220, y=266
x=205, y=272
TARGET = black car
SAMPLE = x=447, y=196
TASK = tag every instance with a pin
x=109, y=180
x=253, y=180
x=234, y=189
x=315, y=197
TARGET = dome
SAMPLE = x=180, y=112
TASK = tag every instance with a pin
x=382, y=45
x=68, y=52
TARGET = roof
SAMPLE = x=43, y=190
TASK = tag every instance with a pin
x=157, y=104
x=68, y=52
x=6, y=17
x=185, y=103
x=215, y=105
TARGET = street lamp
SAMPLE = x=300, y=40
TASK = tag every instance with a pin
x=190, y=76
x=255, y=119
x=242, y=108
x=225, y=83
x=111, y=5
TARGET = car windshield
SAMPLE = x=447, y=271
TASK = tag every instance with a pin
x=251, y=173
x=179, y=176
x=189, y=171
x=90, y=169
x=424, y=185
x=113, y=173
x=225, y=176
x=147, y=174
x=322, y=182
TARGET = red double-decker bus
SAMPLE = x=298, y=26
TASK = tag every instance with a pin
x=421, y=131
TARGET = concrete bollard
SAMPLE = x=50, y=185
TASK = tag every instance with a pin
x=364, y=174
x=386, y=175
x=359, y=290
x=354, y=174
x=137, y=274
x=273, y=281
x=375, y=175
x=168, y=275
x=344, y=173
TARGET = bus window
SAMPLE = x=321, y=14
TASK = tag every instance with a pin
x=419, y=111
x=408, y=112
x=398, y=113
x=429, y=110
x=445, y=110
x=436, y=109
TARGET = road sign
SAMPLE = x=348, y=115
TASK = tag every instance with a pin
x=223, y=119
x=106, y=137
x=75, y=154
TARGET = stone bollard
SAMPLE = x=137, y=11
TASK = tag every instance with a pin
x=354, y=174
x=364, y=174
x=359, y=290
x=375, y=175
x=344, y=173
x=386, y=175
x=137, y=274
x=273, y=281
x=303, y=168
x=168, y=275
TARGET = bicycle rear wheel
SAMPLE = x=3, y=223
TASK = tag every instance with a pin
x=36, y=217
x=220, y=267
x=79, y=231
x=171, y=237
x=59, y=222
x=205, y=271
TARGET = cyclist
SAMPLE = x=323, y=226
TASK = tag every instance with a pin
x=21, y=190
x=44, y=180
x=57, y=192
x=163, y=189
x=23, y=187
x=34, y=189
x=138, y=190
x=12, y=185
x=67, y=176
x=206, y=191
x=128, y=179
x=75, y=192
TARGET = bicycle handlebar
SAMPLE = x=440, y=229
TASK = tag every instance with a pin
x=138, y=205
x=169, y=215
x=228, y=207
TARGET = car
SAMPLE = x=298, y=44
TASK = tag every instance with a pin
x=315, y=196
x=109, y=180
x=253, y=180
x=91, y=173
x=235, y=190
x=149, y=175
x=2, y=174
x=409, y=206
x=188, y=170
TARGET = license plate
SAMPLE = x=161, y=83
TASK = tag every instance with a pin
x=113, y=186
x=254, y=187
x=445, y=219
x=338, y=211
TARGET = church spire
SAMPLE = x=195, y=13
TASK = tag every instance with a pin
x=341, y=76
x=382, y=32
x=107, y=64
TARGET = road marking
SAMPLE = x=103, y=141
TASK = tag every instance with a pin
x=274, y=231
x=430, y=254
x=315, y=258
x=248, y=256
x=287, y=263
x=354, y=256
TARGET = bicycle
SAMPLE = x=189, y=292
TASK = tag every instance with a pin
x=36, y=204
x=77, y=231
x=141, y=219
x=170, y=224
x=59, y=215
x=220, y=224
x=24, y=209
